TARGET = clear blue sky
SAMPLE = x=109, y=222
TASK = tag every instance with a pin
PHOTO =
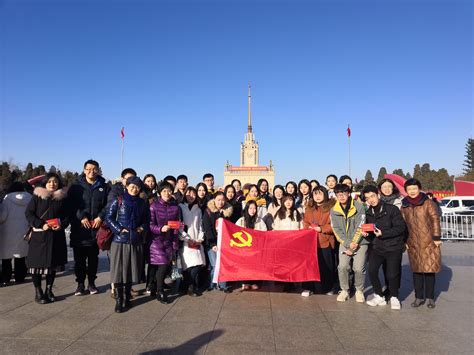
x=175, y=74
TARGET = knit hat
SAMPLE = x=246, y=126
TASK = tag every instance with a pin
x=135, y=180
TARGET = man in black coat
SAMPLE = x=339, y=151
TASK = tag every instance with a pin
x=87, y=199
x=387, y=245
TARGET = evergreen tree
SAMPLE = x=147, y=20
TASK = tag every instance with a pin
x=6, y=177
x=469, y=161
x=399, y=172
x=369, y=179
x=53, y=169
x=417, y=173
x=382, y=173
x=28, y=172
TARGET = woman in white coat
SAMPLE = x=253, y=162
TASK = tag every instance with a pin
x=251, y=220
x=192, y=252
x=13, y=225
x=288, y=218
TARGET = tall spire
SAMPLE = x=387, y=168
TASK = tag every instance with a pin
x=250, y=113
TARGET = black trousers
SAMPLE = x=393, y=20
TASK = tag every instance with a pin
x=424, y=284
x=20, y=269
x=392, y=260
x=327, y=271
x=327, y=268
x=191, y=277
x=161, y=271
x=86, y=261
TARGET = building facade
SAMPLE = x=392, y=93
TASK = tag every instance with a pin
x=249, y=170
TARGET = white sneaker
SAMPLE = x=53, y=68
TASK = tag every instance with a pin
x=395, y=303
x=306, y=293
x=343, y=296
x=376, y=301
x=360, y=297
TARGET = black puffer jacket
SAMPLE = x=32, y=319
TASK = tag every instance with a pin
x=389, y=220
x=86, y=201
x=47, y=248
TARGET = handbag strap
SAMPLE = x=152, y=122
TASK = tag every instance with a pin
x=44, y=214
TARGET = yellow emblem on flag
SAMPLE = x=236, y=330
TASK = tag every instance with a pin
x=240, y=241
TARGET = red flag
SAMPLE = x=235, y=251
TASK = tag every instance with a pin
x=348, y=131
x=463, y=188
x=122, y=133
x=247, y=254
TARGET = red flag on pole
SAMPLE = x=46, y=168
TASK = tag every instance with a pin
x=122, y=133
x=247, y=254
x=348, y=131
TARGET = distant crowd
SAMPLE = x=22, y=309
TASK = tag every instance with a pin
x=157, y=230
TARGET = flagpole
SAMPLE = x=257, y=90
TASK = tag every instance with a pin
x=349, y=141
x=121, y=160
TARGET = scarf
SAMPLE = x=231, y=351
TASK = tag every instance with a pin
x=134, y=211
x=415, y=201
x=259, y=200
x=389, y=199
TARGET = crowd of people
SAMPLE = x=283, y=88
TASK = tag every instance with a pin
x=160, y=228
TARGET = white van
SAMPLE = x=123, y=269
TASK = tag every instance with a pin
x=453, y=204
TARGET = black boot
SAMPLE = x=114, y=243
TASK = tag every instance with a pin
x=118, y=299
x=49, y=295
x=39, y=296
x=127, y=296
x=161, y=296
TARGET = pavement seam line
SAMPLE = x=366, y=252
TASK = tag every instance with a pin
x=273, y=324
x=217, y=319
x=330, y=326
x=158, y=322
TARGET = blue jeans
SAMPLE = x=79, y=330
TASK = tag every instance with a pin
x=212, y=262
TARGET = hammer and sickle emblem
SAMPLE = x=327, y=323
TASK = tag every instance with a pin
x=240, y=241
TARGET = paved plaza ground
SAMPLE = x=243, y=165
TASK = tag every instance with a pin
x=263, y=322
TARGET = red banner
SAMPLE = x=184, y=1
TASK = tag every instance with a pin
x=247, y=254
x=463, y=188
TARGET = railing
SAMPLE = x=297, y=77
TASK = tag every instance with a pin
x=457, y=227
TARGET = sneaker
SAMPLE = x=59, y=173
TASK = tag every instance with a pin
x=92, y=289
x=360, y=297
x=377, y=301
x=343, y=296
x=306, y=293
x=80, y=290
x=395, y=303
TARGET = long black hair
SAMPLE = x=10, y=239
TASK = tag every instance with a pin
x=281, y=214
x=190, y=189
x=294, y=194
x=225, y=193
x=274, y=199
x=202, y=202
x=250, y=220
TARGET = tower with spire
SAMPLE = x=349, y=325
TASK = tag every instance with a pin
x=249, y=148
x=249, y=170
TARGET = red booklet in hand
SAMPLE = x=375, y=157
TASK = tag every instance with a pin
x=54, y=222
x=174, y=224
x=368, y=227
